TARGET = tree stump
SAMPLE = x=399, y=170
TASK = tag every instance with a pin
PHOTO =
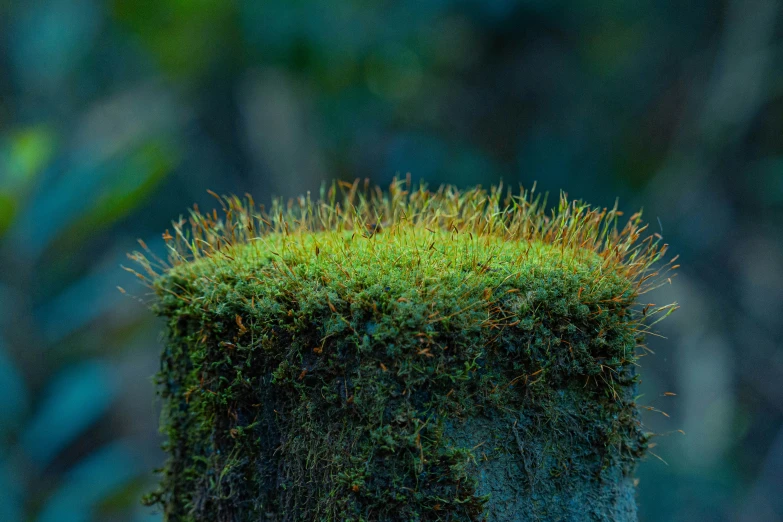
x=408, y=355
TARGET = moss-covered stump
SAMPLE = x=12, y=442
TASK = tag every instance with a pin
x=402, y=356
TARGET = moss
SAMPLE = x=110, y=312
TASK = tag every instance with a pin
x=406, y=355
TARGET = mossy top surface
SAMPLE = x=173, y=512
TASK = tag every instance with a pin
x=389, y=271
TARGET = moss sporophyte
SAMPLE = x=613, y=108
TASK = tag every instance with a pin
x=403, y=355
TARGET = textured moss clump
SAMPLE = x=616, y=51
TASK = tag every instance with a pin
x=402, y=356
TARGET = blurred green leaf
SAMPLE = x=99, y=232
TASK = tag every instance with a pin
x=26, y=152
x=7, y=211
x=15, y=396
x=94, y=479
x=11, y=505
x=134, y=180
x=89, y=197
x=23, y=154
x=62, y=315
x=186, y=37
x=76, y=398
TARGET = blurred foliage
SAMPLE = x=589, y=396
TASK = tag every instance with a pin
x=116, y=116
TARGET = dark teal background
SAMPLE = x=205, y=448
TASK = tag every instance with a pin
x=116, y=116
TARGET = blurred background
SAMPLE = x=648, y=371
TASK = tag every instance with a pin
x=115, y=116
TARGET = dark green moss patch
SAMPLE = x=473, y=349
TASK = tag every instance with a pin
x=402, y=357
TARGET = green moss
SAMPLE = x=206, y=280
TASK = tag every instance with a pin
x=408, y=356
